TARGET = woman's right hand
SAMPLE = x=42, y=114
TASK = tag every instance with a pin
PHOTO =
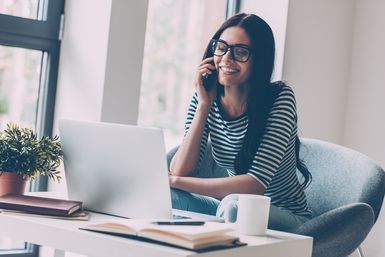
x=205, y=97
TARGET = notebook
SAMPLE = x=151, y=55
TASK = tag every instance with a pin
x=39, y=205
x=118, y=169
x=207, y=236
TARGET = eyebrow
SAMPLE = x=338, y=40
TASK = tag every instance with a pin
x=243, y=45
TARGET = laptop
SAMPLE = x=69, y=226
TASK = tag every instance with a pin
x=119, y=170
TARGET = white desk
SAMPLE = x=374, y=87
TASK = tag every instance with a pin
x=65, y=235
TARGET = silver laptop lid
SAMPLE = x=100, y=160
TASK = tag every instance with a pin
x=116, y=169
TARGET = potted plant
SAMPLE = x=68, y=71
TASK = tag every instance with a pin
x=23, y=156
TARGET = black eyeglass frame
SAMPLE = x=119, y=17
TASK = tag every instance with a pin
x=214, y=42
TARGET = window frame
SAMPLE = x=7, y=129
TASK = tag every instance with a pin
x=233, y=7
x=42, y=34
x=30, y=250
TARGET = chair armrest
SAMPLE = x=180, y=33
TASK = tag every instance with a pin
x=340, y=231
x=170, y=155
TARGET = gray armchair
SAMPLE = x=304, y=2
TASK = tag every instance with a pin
x=345, y=195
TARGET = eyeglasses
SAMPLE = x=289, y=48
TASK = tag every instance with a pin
x=239, y=52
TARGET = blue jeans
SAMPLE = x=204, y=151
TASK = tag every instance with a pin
x=279, y=219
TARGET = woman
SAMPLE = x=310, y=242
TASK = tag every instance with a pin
x=252, y=126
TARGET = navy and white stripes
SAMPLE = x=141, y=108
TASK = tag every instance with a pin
x=274, y=163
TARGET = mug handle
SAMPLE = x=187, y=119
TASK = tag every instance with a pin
x=228, y=208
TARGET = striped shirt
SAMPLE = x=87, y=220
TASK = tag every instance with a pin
x=274, y=163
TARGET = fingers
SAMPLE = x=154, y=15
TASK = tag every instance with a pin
x=205, y=72
x=207, y=60
x=206, y=67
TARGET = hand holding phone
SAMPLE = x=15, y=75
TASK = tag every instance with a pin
x=210, y=79
x=206, y=81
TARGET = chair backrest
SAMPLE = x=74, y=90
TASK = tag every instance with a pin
x=340, y=176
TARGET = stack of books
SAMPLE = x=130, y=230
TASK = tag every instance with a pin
x=42, y=206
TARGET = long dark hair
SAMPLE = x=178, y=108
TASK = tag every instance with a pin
x=262, y=93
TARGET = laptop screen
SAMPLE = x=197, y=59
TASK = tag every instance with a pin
x=116, y=169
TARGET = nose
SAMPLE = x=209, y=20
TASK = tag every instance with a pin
x=227, y=57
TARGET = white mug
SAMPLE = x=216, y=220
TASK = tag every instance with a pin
x=253, y=214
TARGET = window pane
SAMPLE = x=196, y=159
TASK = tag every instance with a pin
x=19, y=89
x=176, y=36
x=19, y=85
x=20, y=8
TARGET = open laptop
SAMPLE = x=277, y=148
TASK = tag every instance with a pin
x=119, y=170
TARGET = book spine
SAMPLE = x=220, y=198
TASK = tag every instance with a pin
x=34, y=209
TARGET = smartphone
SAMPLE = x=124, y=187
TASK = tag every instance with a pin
x=211, y=79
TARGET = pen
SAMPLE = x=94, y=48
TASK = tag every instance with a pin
x=189, y=223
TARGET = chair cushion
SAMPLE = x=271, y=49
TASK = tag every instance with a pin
x=340, y=231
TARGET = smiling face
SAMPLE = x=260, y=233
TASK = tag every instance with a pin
x=233, y=73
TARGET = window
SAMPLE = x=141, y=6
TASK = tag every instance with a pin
x=29, y=55
x=21, y=8
x=176, y=36
x=20, y=70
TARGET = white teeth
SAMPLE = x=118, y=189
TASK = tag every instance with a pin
x=228, y=69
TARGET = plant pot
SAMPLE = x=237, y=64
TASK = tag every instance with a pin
x=12, y=183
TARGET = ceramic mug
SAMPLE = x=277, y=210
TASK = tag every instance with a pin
x=253, y=214
x=249, y=212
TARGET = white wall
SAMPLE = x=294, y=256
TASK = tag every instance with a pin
x=365, y=122
x=317, y=63
x=124, y=61
x=83, y=60
x=334, y=58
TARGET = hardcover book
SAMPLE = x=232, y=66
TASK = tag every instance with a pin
x=79, y=215
x=201, y=237
x=39, y=205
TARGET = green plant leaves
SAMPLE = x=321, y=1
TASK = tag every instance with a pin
x=22, y=152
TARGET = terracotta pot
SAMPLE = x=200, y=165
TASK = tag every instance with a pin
x=12, y=183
